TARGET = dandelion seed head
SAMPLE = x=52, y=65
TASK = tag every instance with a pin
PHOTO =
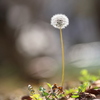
x=59, y=21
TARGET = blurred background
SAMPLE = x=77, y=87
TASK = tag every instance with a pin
x=30, y=47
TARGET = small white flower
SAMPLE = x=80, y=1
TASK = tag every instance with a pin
x=59, y=21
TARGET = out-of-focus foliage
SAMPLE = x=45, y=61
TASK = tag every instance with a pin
x=86, y=77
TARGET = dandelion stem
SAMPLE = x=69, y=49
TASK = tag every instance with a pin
x=63, y=60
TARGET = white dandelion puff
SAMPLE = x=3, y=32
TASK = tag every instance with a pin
x=60, y=21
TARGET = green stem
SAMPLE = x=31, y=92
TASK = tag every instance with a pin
x=63, y=60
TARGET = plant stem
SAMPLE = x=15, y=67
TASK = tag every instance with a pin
x=63, y=60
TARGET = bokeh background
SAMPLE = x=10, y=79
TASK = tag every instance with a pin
x=30, y=50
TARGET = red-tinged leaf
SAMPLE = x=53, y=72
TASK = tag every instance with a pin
x=26, y=98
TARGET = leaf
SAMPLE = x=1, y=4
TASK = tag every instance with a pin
x=45, y=94
x=39, y=98
x=75, y=95
x=70, y=91
x=36, y=97
x=49, y=85
x=84, y=72
x=83, y=87
x=26, y=98
x=41, y=89
x=48, y=99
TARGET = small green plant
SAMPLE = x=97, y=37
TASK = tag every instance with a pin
x=86, y=77
x=57, y=92
x=75, y=92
